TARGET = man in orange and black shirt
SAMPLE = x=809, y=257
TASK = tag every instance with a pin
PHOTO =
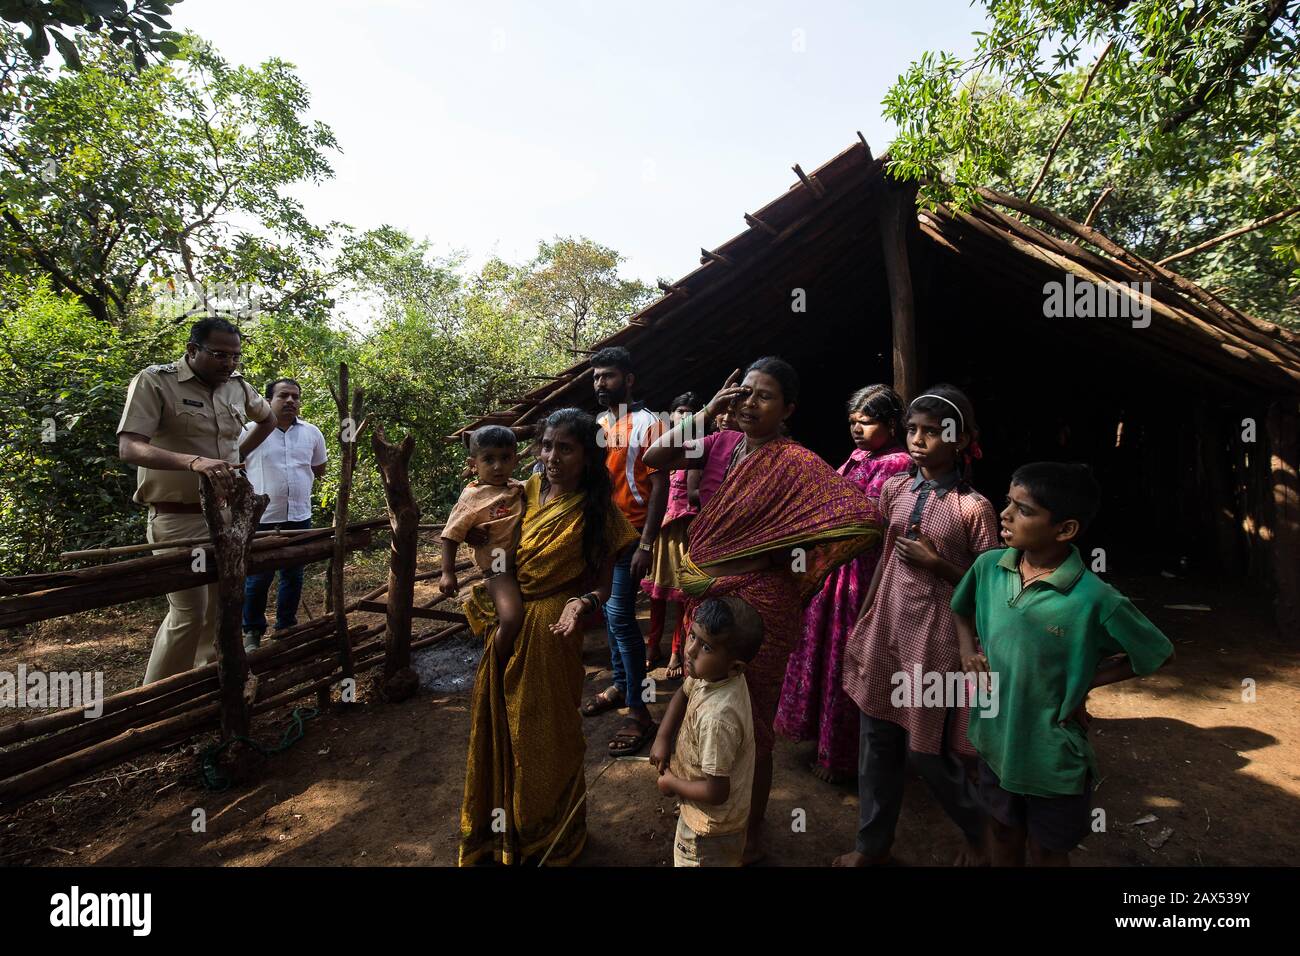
x=641, y=493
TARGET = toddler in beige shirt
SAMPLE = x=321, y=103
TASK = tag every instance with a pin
x=493, y=503
x=704, y=750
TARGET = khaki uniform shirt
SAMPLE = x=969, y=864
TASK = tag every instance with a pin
x=176, y=411
x=716, y=739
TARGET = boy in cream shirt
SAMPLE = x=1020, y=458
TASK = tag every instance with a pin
x=710, y=727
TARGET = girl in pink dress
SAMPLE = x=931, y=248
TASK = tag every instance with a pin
x=937, y=525
x=813, y=703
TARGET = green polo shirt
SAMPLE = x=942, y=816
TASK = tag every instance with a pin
x=1044, y=643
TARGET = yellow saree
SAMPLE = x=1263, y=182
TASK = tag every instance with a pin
x=524, y=771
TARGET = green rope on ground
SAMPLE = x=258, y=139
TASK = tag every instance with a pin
x=214, y=779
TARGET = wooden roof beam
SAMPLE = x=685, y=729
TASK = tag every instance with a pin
x=811, y=182
x=719, y=258
x=862, y=139
x=757, y=223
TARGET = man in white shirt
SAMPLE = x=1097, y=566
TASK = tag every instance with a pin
x=284, y=467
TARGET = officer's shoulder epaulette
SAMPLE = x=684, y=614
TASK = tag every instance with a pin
x=166, y=368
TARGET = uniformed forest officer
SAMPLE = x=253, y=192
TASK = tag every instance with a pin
x=182, y=420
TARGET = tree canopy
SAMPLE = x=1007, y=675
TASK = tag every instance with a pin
x=140, y=27
x=114, y=177
x=1167, y=124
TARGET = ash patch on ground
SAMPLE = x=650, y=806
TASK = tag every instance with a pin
x=448, y=666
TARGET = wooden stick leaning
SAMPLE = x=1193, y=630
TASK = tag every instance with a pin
x=351, y=425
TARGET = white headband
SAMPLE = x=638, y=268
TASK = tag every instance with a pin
x=960, y=417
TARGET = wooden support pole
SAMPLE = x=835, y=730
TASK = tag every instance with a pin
x=350, y=426
x=1284, y=469
x=231, y=539
x=897, y=214
x=399, y=680
x=1214, y=490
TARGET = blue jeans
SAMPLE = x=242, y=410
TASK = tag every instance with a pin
x=626, y=645
x=256, y=587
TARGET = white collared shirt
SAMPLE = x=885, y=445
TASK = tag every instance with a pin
x=281, y=467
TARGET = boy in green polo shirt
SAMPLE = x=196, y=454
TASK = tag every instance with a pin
x=1051, y=630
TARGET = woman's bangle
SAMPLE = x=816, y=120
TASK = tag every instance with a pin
x=190, y=466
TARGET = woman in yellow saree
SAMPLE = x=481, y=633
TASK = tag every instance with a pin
x=524, y=772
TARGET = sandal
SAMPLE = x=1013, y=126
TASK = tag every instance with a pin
x=675, y=670
x=631, y=737
x=602, y=702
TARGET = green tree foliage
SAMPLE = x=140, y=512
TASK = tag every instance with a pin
x=1179, y=117
x=176, y=174
x=62, y=382
x=140, y=27
x=572, y=291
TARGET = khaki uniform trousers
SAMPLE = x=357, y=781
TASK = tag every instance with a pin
x=187, y=636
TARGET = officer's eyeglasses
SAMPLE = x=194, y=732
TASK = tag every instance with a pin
x=231, y=357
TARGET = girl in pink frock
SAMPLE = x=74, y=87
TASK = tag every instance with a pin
x=937, y=525
x=813, y=703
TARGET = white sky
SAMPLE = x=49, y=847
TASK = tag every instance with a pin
x=648, y=127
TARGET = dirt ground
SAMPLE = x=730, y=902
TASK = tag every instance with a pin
x=381, y=785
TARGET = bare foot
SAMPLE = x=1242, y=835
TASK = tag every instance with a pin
x=972, y=855
x=826, y=773
x=653, y=654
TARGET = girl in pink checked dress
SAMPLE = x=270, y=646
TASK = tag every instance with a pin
x=937, y=524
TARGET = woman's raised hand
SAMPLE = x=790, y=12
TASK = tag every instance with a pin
x=727, y=395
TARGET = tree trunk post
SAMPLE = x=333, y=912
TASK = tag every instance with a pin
x=897, y=218
x=231, y=539
x=399, y=681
